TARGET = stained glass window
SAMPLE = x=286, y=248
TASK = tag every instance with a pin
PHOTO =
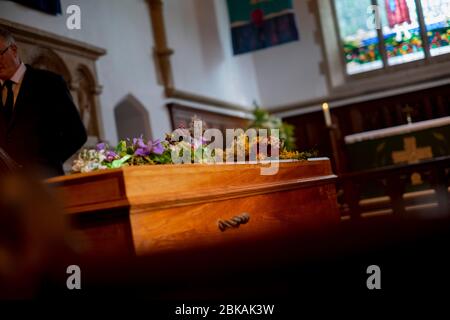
x=437, y=21
x=396, y=37
x=401, y=31
x=361, y=49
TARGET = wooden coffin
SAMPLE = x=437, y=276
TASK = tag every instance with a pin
x=147, y=209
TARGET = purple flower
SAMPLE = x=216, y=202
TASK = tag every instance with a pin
x=101, y=146
x=142, y=145
x=143, y=149
x=156, y=147
x=139, y=142
x=142, y=152
x=111, y=155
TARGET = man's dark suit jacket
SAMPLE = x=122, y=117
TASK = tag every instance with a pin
x=45, y=128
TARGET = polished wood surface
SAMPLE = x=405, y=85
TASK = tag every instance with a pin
x=171, y=207
x=197, y=225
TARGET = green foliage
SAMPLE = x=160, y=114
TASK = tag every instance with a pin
x=164, y=158
x=118, y=163
x=296, y=155
x=263, y=120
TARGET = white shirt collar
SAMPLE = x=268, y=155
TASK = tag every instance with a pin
x=18, y=75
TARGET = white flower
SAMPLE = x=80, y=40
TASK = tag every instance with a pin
x=89, y=160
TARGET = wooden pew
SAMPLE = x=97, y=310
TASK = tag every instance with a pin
x=393, y=179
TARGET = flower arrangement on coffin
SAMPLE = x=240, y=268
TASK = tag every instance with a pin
x=127, y=152
x=262, y=147
x=264, y=120
x=137, y=151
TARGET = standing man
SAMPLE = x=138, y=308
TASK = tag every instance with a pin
x=40, y=127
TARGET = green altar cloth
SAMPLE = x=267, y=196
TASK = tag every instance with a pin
x=408, y=143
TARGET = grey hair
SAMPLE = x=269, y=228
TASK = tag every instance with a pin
x=7, y=36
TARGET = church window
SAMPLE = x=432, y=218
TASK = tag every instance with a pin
x=360, y=43
x=402, y=31
x=437, y=22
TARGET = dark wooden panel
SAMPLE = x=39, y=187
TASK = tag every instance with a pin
x=182, y=115
x=103, y=233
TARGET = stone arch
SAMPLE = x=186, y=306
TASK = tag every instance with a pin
x=132, y=119
x=86, y=90
x=47, y=59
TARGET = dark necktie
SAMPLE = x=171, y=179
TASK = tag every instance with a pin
x=9, y=103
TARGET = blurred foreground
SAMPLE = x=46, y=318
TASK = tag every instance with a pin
x=331, y=263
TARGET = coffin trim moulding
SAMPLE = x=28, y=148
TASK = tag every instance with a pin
x=252, y=190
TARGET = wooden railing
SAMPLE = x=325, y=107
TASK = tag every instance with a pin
x=393, y=182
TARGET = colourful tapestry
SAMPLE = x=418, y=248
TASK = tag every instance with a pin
x=259, y=24
x=48, y=6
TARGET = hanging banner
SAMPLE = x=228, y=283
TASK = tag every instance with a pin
x=259, y=24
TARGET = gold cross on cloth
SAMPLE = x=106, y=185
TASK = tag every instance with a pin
x=411, y=154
